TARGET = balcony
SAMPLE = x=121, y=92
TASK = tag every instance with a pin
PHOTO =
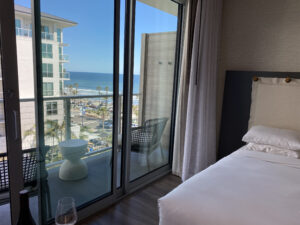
x=47, y=36
x=25, y=32
x=89, y=118
x=64, y=58
x=65, y=75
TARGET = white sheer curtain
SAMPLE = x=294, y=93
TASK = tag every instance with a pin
x=195, y=145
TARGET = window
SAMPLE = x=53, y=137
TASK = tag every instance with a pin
x=61, y=72
x=18, y=26
x=48, y=89
x=58, y=31
x=60, y=53
x=45, y=29
x=47, y=70
x=47, y=51
x=46, y=33
x=51, y=108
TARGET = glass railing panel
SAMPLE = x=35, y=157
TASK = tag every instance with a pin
x=47, y=36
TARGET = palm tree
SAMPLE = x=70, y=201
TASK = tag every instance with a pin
x=84, y=129
x=106, y=93
x=52, y=127
x=28, y=133
x=70, y=89
x=98, y=88
x=61, y=129
x=102, y=111
x=135, y=111
x=76, y=87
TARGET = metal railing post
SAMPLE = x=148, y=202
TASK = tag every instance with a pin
x=68, y=118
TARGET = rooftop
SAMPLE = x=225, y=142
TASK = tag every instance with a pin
x=27, y=11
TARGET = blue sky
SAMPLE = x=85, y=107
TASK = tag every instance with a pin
x=91, y=41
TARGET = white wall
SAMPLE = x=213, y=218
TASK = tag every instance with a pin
x=259, y=36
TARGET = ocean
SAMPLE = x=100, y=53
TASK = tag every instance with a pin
x=88, y=82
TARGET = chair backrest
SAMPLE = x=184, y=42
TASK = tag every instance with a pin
x=156, y=127
x=29, y=169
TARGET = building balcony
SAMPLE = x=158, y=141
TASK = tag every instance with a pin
x=25, y=32
x=64, y=58
x=47, y=36
x=65, y=75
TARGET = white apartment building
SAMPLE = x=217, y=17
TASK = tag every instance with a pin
x=53, y=71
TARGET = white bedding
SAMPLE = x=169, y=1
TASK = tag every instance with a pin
x=244, y=188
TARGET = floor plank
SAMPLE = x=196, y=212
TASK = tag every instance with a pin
x=140, y=208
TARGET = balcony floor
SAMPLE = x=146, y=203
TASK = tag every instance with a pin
x=98, y=181
x=96, y=184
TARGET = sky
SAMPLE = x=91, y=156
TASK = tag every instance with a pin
x=90, y=43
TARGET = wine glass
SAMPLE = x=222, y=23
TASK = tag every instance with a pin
x=66, y=212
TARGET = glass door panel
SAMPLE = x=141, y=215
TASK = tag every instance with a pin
x=77, y=75
x=4, y=185
x=21, y=158
x=153, y=80
x=25, y=64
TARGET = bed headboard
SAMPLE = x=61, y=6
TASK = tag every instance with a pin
x=236, y=107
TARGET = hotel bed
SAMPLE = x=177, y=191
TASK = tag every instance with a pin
x=250, y=185
x=244, y=188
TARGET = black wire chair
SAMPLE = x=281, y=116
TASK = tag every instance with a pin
x=145, y=139
x=29, y=169
x=30, y=166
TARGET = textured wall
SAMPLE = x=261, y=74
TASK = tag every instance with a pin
x=259, y=36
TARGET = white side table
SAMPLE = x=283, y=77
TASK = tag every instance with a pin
x=73, y=168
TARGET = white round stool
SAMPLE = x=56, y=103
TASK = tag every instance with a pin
x=73, y=168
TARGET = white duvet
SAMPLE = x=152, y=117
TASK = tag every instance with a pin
x=244, y=188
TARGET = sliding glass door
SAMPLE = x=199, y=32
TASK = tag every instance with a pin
x=153, y=85
x=97, y=90
x=76, y=85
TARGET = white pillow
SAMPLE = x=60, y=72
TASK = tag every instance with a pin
x=273, y=150
x=282, y=138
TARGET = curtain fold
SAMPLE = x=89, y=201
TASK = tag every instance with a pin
x=189, y=22
x=195, y=134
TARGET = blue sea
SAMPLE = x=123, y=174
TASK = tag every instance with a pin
x=88, y=82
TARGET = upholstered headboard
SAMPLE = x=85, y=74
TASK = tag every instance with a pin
x=236, y=107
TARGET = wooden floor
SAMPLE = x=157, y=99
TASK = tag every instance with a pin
x=139, y=208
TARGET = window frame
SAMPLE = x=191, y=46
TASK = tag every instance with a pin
x=46, y=91
x=59, y=35
x=51, y=108
x=47, y=72
x=47, y=50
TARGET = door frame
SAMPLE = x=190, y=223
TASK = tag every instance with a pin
x=11, y=104
x=127, y=187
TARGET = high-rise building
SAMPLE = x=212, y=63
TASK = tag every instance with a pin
x=53, y=70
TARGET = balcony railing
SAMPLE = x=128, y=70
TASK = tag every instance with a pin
x=65, y=75
x=23, y=32
x=27, y=32
x=64, y=58
x=73, y=119
x=47, y=36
